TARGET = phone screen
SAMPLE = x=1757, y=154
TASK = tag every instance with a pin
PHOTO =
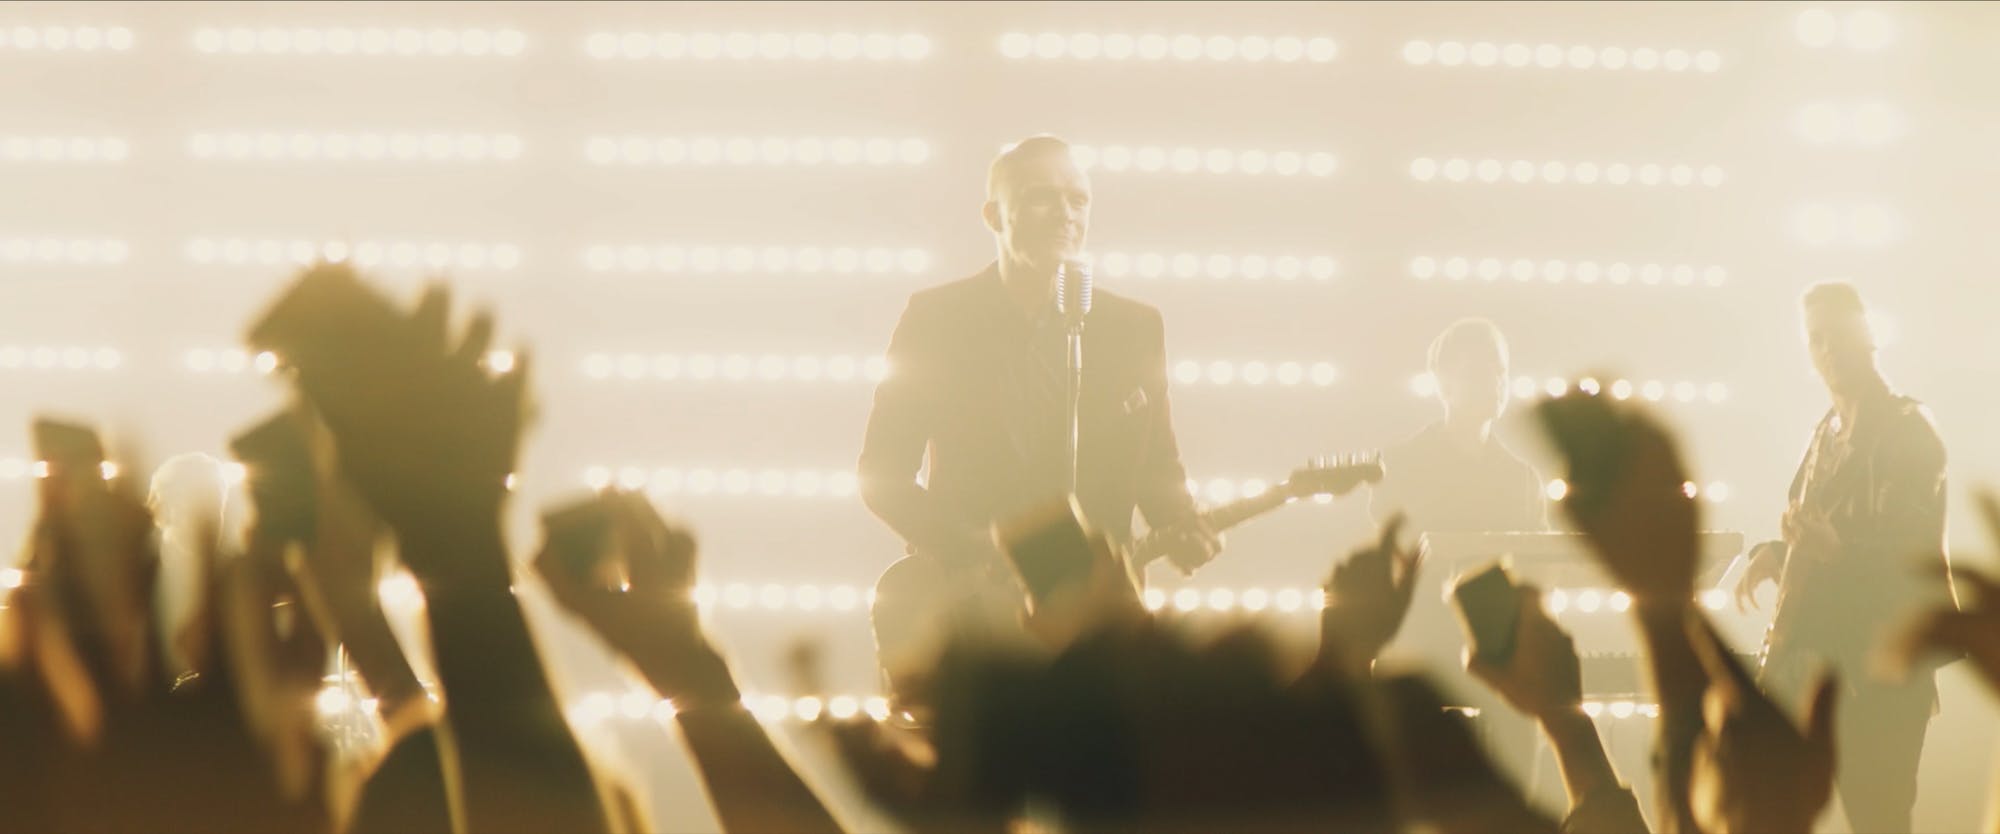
x=1489, y=608
x=1049, y=548
x=579, y=535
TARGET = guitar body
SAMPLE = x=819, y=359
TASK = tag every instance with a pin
x=921, y=604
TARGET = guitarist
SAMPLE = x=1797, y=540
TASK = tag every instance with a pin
x=975, y=398
x=1863, y=544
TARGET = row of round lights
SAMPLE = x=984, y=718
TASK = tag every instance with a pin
x=64, y=149
x=755, y=259
x=1652, y=390
x=15, y=357
x=1188, y=265
x=1553, y=56
x=15, y=469
x=1255, y=372
x=1427, y=267
x=735, y=367
x=745, y=150
x=1118, y=46
x=406, y=41
x=1152, y=159
x=365, y=253
x=401, y=593
x=63, y=38
x=1861, y=225
x=1862, y=30
x=1715, y=492
x=766, y=483
x=744, y=596
x=1866, y=124
x=746, y=46
x=77, y=251
x=355, y=147
x=1620, y=709
x=229, y=361
x=1490, y=171
x=1190, y=600
x=1593, y=600
x=596, y=708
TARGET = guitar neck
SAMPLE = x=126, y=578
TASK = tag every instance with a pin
x=1243, y=509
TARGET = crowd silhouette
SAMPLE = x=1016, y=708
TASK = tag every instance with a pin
x=397, y=448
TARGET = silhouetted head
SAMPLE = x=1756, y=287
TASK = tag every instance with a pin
x=1469, y=363
x=1038, y=203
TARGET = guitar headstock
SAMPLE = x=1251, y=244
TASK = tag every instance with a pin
x=1335, y=474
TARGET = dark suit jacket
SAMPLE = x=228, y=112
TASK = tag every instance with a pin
x=963, y=387
x=1882, y=487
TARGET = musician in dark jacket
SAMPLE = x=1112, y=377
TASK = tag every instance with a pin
x=977, y=384
x=1863, y=545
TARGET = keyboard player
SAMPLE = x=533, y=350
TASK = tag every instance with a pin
x=1455, y=476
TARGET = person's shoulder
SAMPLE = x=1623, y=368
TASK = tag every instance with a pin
x=955, y=294
x=1912, y=421
x=1423, y=443
x=1124, y=310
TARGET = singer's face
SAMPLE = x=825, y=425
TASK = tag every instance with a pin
x=1044, y=213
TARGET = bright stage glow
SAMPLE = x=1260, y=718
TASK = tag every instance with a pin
x=710, y=259
x=745, y=150
x=435, y=254
x=364, y=41
x=54, y=358
x=64, y=251
x=1556, y=271
x=65, y=150
x=766, y=46
x=1119, y=46
x=1153, y=159
x=389, y=147
x=1188, y=265
x=1491, y=171
x=1488, y=54
x=65, y=38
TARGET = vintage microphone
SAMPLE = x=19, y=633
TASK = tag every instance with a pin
x=1072, y=303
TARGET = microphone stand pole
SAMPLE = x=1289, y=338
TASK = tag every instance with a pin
x=1074, y=332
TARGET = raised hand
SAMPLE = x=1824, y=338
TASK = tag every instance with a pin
x=1627, y=495
x=1753, y=769
x=653, y=621
x=1368, y=596
x=422, y=431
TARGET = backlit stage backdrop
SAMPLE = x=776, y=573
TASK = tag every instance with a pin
x=703, y=219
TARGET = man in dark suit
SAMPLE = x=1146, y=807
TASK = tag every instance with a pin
x=976, y=384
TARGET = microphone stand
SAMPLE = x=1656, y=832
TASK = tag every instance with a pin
x=1073, y=330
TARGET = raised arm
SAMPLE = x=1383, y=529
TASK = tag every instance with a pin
x=654, y=624
x=428, y=438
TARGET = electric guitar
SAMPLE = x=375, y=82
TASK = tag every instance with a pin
x=920, y=603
